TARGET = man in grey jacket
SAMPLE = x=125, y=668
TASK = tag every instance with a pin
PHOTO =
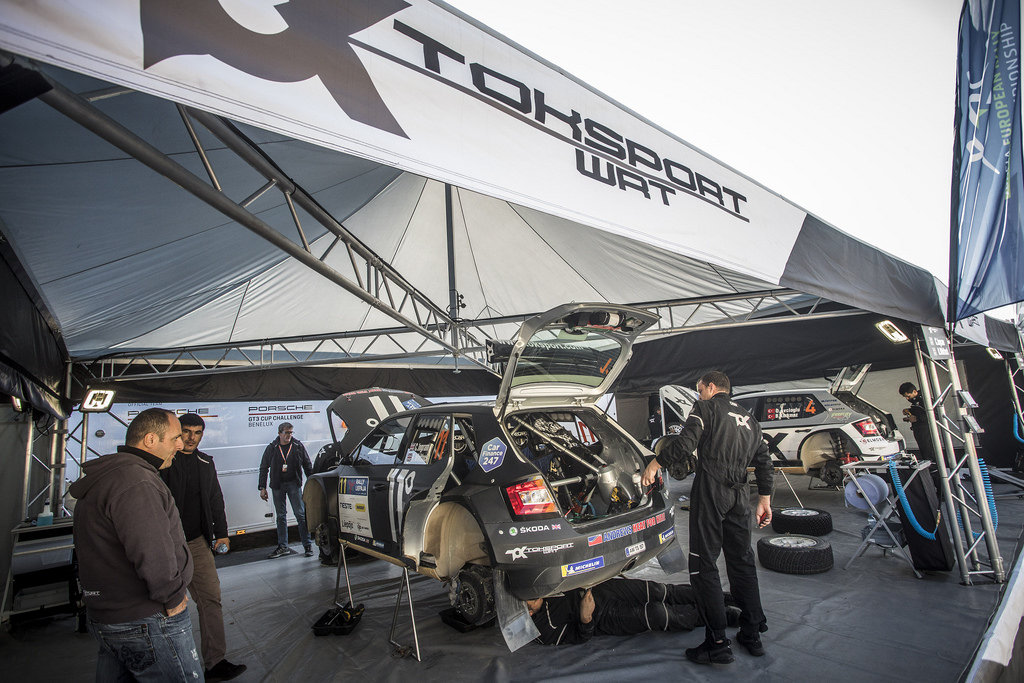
x=133, y=561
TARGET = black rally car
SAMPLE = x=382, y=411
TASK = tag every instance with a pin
x=541, y=484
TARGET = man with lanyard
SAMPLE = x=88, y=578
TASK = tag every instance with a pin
x=192, y=479
x=727, y=440
x=285, y=459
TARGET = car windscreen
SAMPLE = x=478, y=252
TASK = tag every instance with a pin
x=553, y=355
x=383, y=445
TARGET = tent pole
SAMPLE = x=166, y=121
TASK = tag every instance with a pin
x=453, y=292
x=30, y=424
x=59, y=457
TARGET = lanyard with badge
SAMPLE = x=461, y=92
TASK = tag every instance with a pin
x=284, y=457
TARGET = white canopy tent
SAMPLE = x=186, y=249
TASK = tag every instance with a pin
x=368, y=180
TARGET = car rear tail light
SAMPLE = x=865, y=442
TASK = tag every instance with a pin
x=530, y=497
x=866, y=427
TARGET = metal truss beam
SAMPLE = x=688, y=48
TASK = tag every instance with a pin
x=709, y=312
x=372, y=280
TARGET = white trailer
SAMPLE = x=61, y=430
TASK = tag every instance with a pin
x=236, y=435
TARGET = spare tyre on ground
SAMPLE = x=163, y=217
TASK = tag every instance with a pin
x=792, y=554
x=806, y=521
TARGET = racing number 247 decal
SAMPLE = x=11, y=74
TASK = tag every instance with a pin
x=400, y=484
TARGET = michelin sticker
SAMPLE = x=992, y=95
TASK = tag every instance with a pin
x=582, y=567
x=492, y=454
x=666, y=535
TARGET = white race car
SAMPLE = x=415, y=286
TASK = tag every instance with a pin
x=814, y=431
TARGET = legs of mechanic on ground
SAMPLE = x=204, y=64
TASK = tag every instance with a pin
x=290, y=490
x=720, y=522
x=629, y=606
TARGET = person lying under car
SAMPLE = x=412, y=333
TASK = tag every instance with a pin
x=618, y=607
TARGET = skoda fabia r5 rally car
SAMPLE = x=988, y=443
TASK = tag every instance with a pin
x=540, y=484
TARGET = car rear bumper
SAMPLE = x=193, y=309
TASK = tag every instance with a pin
x=542, y=562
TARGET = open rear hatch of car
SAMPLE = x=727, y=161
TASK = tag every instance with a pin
x=845, y=386
x=561, y=364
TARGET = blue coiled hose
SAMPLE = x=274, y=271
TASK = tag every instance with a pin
x=1016, y=428
x=898, y=485
x=988, y=494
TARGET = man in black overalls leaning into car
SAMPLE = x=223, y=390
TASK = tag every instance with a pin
x=727, y=439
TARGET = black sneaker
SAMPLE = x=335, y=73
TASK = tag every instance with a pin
x=710, y=652
x=309, y=551
x=752, y=643
x=280, y=552
x=223, y=671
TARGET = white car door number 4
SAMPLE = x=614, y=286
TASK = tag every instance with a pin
x=400, y=485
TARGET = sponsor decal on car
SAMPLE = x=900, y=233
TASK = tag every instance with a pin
x=666, y=535
x=523, y=551
x=410, y=404
x=378, y=544
x=595, y=539
x=648, y=523
x=636, y=548
x=534, y=528
x=492, y=454
x=618, y=533
x=354, y=486
x=582, y=567
x=352, y=493
x=361, y=539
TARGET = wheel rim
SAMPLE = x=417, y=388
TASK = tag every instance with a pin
x=792, y=542
x=798, y=512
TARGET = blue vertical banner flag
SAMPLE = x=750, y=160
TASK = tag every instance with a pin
x=987, y=236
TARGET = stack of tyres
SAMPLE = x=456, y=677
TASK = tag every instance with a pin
x=798, y=550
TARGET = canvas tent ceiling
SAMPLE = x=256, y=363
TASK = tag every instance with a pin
x=559, y=193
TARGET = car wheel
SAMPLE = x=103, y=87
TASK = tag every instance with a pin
x=474, y=597
x=326, y=536
x=807, y=521
x=795, y=554
x=832, y=473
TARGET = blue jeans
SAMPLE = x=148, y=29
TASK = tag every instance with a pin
x=290, y=489
x=155, y=648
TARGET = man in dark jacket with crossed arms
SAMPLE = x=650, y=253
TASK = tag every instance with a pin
x=192, y=479
x=727, y=439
